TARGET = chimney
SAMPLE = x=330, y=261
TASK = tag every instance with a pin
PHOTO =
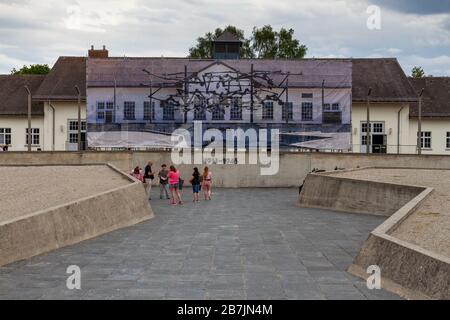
x=98, y=53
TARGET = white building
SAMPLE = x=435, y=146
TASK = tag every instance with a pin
x=54, y=121
x=118, y=99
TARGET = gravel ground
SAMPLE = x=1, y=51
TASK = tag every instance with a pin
x=429, y=226
x=28, y=189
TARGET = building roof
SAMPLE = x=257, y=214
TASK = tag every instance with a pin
x=60, y=83
x=435, y=98
x=386, y=78
x=227, y=36
x=128, y=72
x=14, y=97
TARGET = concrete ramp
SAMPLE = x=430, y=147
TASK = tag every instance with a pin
x=406, y=268
x=63, y=205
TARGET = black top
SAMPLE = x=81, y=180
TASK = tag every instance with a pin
x=196, y=178
x=148, y=174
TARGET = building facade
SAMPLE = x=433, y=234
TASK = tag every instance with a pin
x=316, y=104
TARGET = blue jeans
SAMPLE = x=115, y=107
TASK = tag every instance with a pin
x=195, y=188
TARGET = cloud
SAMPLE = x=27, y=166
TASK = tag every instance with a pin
x=415, y=6
x=40, y=31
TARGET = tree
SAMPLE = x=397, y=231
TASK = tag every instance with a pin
x=264, y=43
x=417, y=72
x=32, y=69
x=270, y=44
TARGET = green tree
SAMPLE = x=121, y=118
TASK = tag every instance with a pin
x=264, y=43
x=32, y=69
x=417, y=72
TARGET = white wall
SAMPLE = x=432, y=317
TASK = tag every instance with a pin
x=387, y=113
x=18, y=127
x=64, y=111
x=438, y=128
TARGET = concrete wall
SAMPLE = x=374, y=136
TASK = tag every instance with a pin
x=351, y=195
x=73, y=222
x=293, y=167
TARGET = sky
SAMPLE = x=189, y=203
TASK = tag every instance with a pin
x=417, y=32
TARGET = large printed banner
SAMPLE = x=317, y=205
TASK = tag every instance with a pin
x=143, y=103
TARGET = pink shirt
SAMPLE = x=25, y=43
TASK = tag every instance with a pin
x=174, y=177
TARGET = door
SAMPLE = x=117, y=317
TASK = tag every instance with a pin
x=108, y=116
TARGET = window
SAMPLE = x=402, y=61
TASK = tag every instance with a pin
x=364, y=140
x=149, y=110
x=218, y=113
x=128, y=110
x=307, y=95
x=307, y=111
x=5, y=135
x=448, y=140
x=425, y=140
x=377, y=127
x=104, y=110
x=100, y=110
x=287, y=111
x=267, y=111
x=34, y=136
x=168, y=110
x=236, y=109
x=73, y=131
x=200, y=109
x=331, y=107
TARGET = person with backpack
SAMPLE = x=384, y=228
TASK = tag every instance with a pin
x=148, y=178
x=195, y=181
x=163, y=181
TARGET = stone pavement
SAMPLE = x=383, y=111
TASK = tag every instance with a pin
x=244, y=244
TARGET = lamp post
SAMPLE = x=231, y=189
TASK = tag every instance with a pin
x=79, y=117
x=29, y=118
x=419, y=125
x=368, y=122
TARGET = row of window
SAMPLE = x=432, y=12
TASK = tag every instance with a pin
x=5, y=133
x=105, y=111
x=5, y=136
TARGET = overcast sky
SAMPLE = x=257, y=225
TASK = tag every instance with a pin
x=417, y=32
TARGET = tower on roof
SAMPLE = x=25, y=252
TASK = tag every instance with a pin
x=226, y=46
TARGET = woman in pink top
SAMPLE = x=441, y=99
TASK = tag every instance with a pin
x=138, y=174
x=206, y=184
x=174, y=185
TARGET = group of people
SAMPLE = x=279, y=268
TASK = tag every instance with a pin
x=172, y=178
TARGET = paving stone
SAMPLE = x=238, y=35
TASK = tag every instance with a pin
x=244, y=244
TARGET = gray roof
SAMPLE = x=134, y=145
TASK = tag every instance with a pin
x=13, y=95
x=435, y=98
x=60, y=83
x=128, y=72
x=227, y=36
x=386, y=78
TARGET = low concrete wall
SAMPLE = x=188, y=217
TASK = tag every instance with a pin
x=406, y=269
x=293, y=167
x=351, y=195
x=73, y=222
